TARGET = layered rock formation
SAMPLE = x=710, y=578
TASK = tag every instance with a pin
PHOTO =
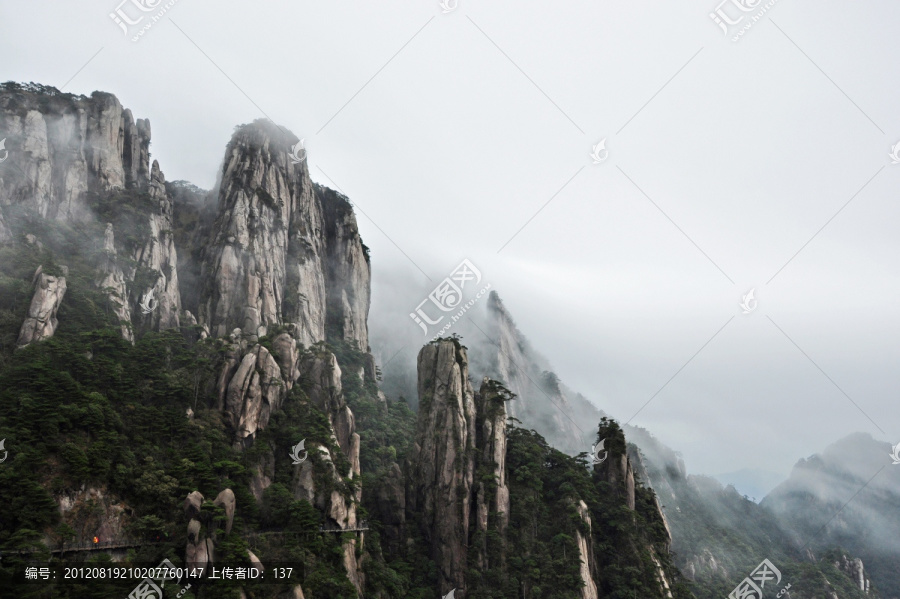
x=41, y=322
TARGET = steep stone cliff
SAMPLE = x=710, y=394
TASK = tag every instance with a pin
x=62, y=146
x=442, y=467
x=111, y=280
x=73, y=158
x=279, y=253
x=491, y=490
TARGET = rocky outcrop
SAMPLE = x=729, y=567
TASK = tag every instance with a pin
x=390, y=507
x=155, y=278
x=111, y=280
x=63, y=147
x=200, y=547
x=265, y=264
x=321, y=376
x=226, y=501
x=585, y=554
x=41, y=322
x=347, y=274
x=70, y=151
x=203, y=530
x=441, y=471
x=491, y=496
x=93, y=512
x=254, y=391
x=280, y=253
x=615, y=468
x=855, y=570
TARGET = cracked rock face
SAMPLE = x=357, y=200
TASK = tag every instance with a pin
x=253, y=392
x=159, y=256
x=585, y=552
x=63, y=146
x=347, y=273
x=265, y=265
x=282, y=252
x=491, y=429
x=41, y=321
x=442, y=462
x=111, y=280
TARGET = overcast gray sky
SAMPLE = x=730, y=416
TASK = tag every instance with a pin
x=450, y=131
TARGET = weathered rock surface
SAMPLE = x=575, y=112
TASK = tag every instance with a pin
x=273, y=257
x=93, y=511
x=265, y=264
x=586, y=554
x=69, y=151
x=441, y=471
x=62, y=146
x=347, y=274
x=390, y=502
x=616, y=468
x=226, y=501
x=253, y=392
x=158, y=256
x=321, y=377
x=854, y=568
x=490, y=403
x=41, y=322
x=199, y=550
x=111, y=280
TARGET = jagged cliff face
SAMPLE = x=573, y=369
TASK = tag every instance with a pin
x=62, y=146
x=65, y=153
x=491, y=418
x=442, y=467
x=265, y=265
x=274, y=258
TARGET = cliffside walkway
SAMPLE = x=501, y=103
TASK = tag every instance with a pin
x=79, y=547
x=114, y=544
